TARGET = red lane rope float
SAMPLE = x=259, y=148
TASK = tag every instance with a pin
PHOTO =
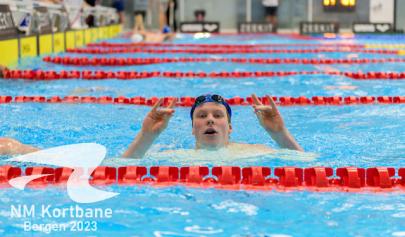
x=344, y=179
x=189, y=101
x=134, y=75
x=84, y=61
x=106, y=44
x=226, y=51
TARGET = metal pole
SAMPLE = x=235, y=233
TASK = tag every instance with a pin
x=310, y=11
x=395, y=16
x=182, y=9
x=248, y=10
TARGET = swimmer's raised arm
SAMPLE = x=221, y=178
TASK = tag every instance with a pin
x=271, y=120
x=154, y=123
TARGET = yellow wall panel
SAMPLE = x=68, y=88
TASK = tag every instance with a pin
x=110, y=31
x=28, y=47
x=45, y=44
x=100, y=33
x=79, y=36
x=70, y=40
x=58, y=42
x=116, y=29
x=9, y=52
x=104, y=32
x=87, y=36
x=95, y=32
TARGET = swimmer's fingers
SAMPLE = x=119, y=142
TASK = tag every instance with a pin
x=157, y=104
x=163, y=113
x=265, y=111
x=172, y=103
x=262, y=108
x=256, y=100
x=168, y=111
x=272, y=103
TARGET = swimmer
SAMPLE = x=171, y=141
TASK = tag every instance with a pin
x=9, y=146
x=141, y=35
x=211, y=126
x=151, y=37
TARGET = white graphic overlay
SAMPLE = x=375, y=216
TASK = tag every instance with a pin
x=83, y=158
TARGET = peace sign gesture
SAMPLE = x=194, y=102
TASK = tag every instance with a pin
x=268, y=115
x=158, y=118
x=271, y=120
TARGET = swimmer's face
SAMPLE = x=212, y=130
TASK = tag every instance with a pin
x=211, y=127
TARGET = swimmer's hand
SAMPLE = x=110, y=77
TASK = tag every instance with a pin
x=158, y=118
x=270, y=119
x=268, y=116
x=154, y=123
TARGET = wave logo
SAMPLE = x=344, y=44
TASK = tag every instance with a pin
x=87, y=156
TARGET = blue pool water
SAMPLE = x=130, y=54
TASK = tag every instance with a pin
x=335, y=136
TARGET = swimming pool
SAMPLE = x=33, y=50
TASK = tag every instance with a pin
x=355, y=135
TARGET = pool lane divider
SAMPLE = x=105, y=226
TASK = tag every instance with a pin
x=171, y=45
x=84, y=61
x=189, y=101
x=343, y=179
x=224, y=50
x=136, y=75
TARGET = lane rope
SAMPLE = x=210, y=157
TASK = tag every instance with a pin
x=102, y=61
x=188, y=101
x=171, y=45
x=226, y=51
x=323, y=179
x=136, y=75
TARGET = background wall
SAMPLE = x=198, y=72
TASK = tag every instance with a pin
x=227, y=12
x=291, y=12
x=361, y=13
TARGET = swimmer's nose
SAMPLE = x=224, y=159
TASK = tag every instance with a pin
x=210, y=121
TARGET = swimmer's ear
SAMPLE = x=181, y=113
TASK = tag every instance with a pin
x=230, y=127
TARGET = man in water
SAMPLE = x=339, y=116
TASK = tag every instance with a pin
x=139, y=34
x=151, y=37
x=211, y=125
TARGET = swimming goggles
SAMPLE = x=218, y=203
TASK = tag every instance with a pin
x=210, y=98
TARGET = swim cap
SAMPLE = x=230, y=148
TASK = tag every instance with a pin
x=166, y=30
x=202, y=99
x=136, y=38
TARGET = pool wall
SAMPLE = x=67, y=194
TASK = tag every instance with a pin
x=16, y=48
